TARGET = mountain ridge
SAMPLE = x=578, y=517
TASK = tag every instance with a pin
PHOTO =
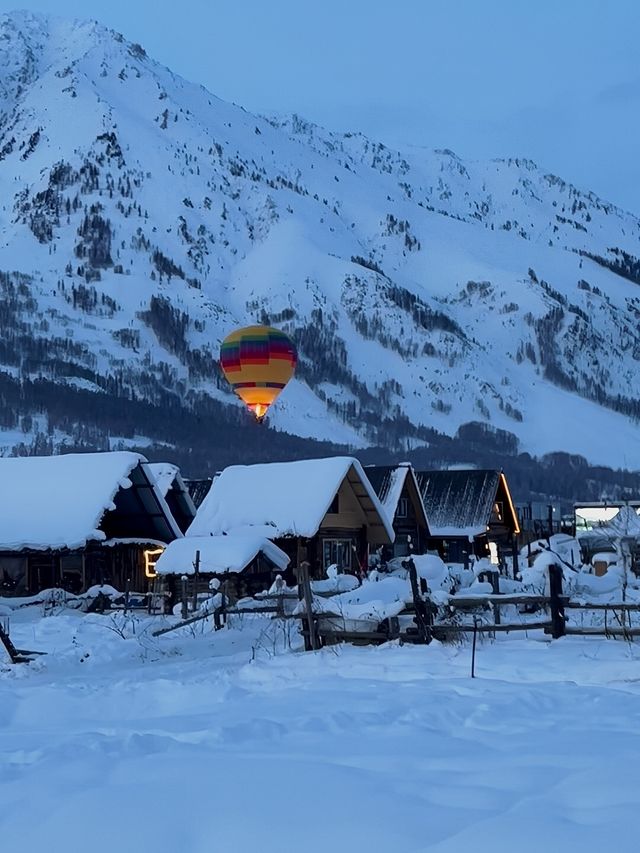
x=143, y=218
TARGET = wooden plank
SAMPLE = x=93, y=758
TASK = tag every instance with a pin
x=160, y=631
x=461, y=602
x=304, y=581
x=293, y=596
x=16, y=655
x=13, y=653
x=473, y=601
x=414, y=637
x=423, y=610
x=627, y=606
x=244, y=611
x=348, y=636
x=601, y=631
x=556, y=606
x=506, y=627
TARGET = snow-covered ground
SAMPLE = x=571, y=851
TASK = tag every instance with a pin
x=211, y=742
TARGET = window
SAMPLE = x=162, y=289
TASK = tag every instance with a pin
x=334, y=509
x=403, y=508
x=336, y=552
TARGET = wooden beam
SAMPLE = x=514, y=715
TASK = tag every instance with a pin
x=464, y=602
x=601, y=631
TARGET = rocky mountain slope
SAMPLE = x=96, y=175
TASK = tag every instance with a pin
x=142, y=219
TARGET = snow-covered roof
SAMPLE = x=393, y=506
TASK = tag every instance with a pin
x=175, y=491
x=395, y=486
x=218, y=554
x=389, y=482
x=625, y=523
x=55, y=502
x=287, y=498
x=165, y=474
x=604, y=557
x=460, y=502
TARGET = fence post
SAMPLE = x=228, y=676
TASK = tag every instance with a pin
x=196, y=578
x=185, y=606
x=424, y=615
x=305, y=583
x=473, y=648
x=555, y=602
x=494, y=580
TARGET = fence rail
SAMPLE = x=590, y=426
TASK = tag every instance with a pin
x=428, y=615
x=459, y=615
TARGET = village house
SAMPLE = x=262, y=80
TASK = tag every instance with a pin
x=244, y=562
x=77, y=520
x=324, y=511
x=397, y=489
x=470, y=513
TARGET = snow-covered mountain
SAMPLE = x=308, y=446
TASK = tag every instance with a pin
x=142, y=219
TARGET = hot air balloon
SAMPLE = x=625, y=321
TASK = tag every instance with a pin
x=258, y=361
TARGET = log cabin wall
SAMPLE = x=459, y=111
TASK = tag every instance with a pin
x=29, y=572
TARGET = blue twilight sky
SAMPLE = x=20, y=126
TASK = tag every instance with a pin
x=554, y=80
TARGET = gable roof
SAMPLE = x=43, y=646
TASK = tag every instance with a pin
x=164, y=474
x=460, y=502
x=389, y=482
x=218, y=554
x=56, y=502
x=175, y=492
x=287, y=498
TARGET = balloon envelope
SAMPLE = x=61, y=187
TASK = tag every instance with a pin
x=258, y=361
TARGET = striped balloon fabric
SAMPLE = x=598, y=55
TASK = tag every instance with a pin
x=258, y=361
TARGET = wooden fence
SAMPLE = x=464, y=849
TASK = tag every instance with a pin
x=425, y=618
x=460, y=615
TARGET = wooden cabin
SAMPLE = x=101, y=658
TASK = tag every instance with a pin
x=470, y=512
x=324, y=511
x=175, y=492
x=77, y=520
x=244, y=563
x=397, y=489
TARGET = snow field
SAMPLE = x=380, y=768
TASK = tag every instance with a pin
x=187, y=743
